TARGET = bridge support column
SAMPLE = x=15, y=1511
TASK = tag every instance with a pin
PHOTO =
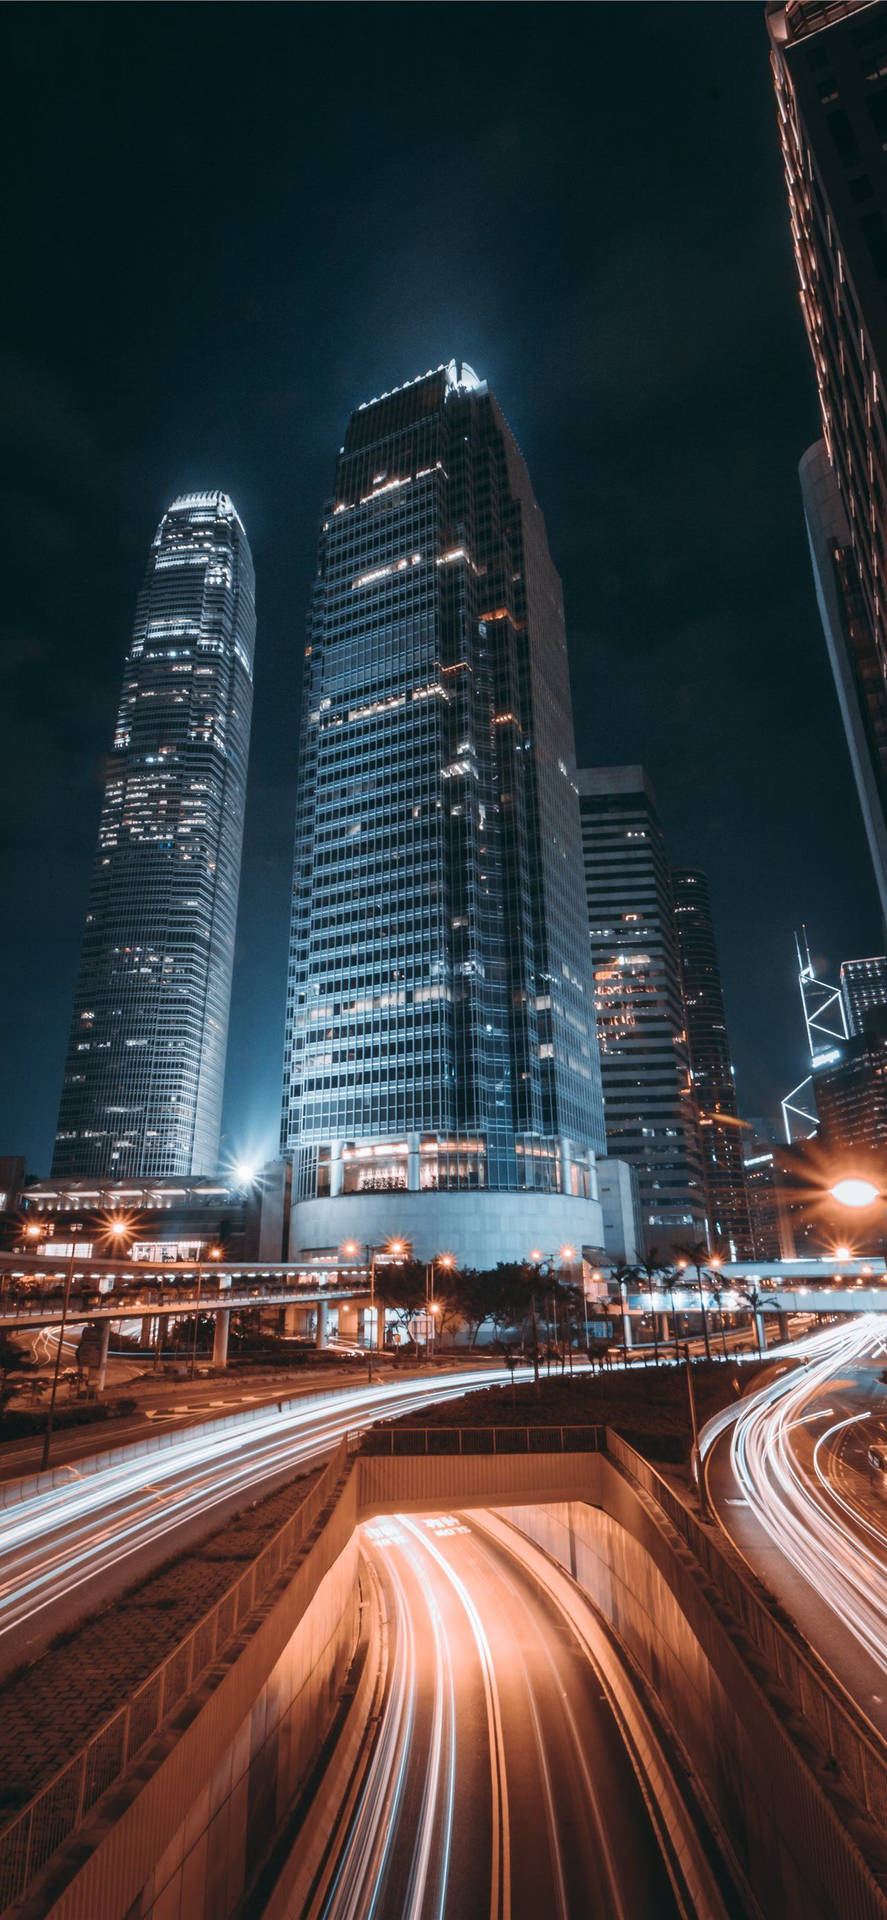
x=321, y=1337
x=782, y=1317
x=145, y=1340
x=663, y=1326
x=348, y=1320
x=760, y=1332
x=104, y=1342
x=220, y=1339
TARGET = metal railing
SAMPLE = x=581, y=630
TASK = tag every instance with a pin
x=56, y=1812
x=486, y=1440
x=830, y=1714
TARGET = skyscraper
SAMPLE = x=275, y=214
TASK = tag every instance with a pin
x=441, y=1077
x=714, y=1085
x=145, y=1068
x=645, y=1065
x=830, y=71
x=864, y=993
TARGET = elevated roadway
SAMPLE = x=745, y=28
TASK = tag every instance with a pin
x=787, y=1477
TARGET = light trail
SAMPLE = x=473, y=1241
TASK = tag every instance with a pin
x=488, y=1798
x=826, y=1537
x=61, y=1546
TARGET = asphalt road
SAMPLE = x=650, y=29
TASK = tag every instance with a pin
x=789, y=1483
x=71, y=1549
x=499, y=1787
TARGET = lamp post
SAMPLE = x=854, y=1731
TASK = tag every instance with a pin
x=398, y=1249
x=538, y=1261
x=442, y=1260
x=215, y=1253
x=856, y=1194
x=116, y=1228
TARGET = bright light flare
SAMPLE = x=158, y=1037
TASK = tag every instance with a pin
x=854, y=1193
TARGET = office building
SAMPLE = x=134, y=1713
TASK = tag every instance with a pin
x=714, y=1085
x=830, y=72
x=645, y=1064
x=770, y=1219
x=144, y=1074
x=864, y=993
x=859, y=681
x=851, y=1098
x=441, y=1079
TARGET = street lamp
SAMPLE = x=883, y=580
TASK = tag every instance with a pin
x=446, y=1260
x=398, y=1249
x=215, y=1253
x=855, y=1193
x=47, y=1438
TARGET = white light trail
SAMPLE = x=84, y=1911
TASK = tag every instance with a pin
x=828, y=1538
x=58, y=1544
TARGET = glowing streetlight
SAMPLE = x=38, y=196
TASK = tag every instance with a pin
x=843, y=1253
x=854, y=1193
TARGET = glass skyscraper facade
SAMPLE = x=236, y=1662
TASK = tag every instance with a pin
x=721, y=1132
x=145, y=1067
x=829, y=61
x=649, y=1104
x=440, y=1039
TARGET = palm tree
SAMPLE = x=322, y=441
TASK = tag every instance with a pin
x=623, y=1274
x=696, y=1255
x=647, y=1272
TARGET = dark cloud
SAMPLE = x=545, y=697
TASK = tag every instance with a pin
x=215, y=251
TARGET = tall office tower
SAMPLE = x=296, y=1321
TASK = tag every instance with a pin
x=864, y=993
x=851, y=1098
x=145, y=1068
x=830, y=70
x=858, y=677
x=645, y=1067
x=714, y=1086
x=441, y=1078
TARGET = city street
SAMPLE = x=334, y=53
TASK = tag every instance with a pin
x=499, y=1784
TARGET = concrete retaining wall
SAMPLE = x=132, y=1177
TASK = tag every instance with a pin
x=189, y=1829
x=792, y=1845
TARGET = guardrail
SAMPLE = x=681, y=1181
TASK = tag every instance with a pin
x=60, y=1808
x=430, y=1440
x=123, y=1306
x=829, y=1713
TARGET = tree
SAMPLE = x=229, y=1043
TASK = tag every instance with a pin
x=623, y=1274
x=12, y=1361
x=754, y=1299
x=649, y=1270
x=471, y=1295
x=696, y=1255
x=400, y=1289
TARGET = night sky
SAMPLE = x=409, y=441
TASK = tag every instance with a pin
x=228, y=225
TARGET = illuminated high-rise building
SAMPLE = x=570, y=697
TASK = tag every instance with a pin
x=829, y=60
x=145, y=1067
x=714, y=1085
x=649, y=1106
x=864, y=993
x=441, y=1078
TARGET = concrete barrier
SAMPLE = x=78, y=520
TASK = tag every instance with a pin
x=185, y=1832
